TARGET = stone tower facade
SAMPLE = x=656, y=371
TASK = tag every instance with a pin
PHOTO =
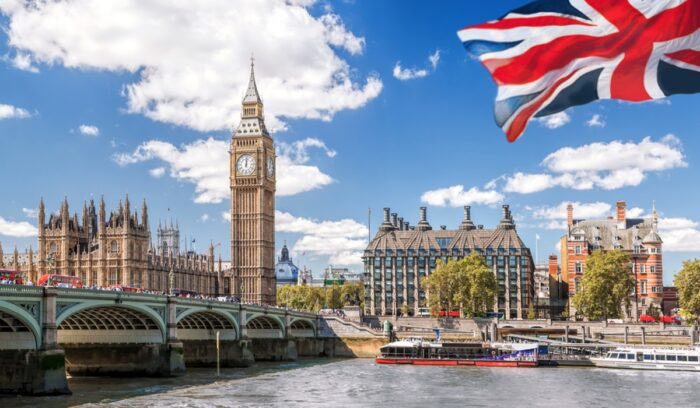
x=252, y=170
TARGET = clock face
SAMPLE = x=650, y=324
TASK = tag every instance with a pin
x=245, y=165
x=270, y=167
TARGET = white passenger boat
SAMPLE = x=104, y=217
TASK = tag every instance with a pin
x=669, y=359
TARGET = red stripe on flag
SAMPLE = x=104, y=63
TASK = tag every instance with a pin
x=691, y=57
x=518, y=22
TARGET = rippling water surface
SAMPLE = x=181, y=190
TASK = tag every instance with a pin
x=361, y=383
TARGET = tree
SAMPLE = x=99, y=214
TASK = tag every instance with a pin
x=606, y=285
x=313, y=299
x=531, y=312
x=688, y=283
x=467, y=283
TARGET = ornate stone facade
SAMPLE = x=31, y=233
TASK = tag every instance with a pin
x=252, y=170
x=112, y=250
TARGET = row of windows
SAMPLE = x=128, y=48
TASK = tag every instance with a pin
x=650, y=357
x=637, y=249
x=443, y=251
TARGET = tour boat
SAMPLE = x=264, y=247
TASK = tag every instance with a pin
x=415, y=351
x=668, y=359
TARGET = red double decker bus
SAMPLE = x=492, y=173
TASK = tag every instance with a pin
x=60, y=281
x=11, y=277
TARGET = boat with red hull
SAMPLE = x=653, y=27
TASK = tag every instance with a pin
x=418, y=352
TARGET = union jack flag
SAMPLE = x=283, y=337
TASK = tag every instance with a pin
x=550, y=55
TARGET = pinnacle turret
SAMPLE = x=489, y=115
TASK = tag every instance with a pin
x=251, y=94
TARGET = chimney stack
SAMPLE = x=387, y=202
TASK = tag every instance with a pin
x=423, y=223
x=621, y=216
x=387, y=225
x=570, y=215
x=386, y=215
x=394, y=220
x=401, y=224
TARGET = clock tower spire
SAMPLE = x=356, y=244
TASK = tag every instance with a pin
x=253, y=183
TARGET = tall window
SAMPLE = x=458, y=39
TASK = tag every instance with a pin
x=114, y=247
x=643, y=287
x=53, y=248
x=578, y=249
x=577, y=285
x=652, y=268
x=578, y=267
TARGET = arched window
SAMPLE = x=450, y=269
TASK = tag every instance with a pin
x=114, y=247
x=53, y=248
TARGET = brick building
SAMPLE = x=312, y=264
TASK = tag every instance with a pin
x=635, y=236
x=400, y=255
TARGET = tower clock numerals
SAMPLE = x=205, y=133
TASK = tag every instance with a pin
x=245, y=165
x=270, y=167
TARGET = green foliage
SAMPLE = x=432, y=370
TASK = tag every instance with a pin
x=304, y=297
x=531, y=312
x=688, y=283
x=467, y=284
x=606, y=285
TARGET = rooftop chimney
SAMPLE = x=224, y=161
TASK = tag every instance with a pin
x=570, y=215
x=386, y=225
x=507, y=221
x=621, y=216
x=423, y=223
x=401, y=224
x=394, y=220
x=467, y=223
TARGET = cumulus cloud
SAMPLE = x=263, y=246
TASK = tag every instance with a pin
x=555, y=121
x=157, y=172
x=30, y=212
x=679, y=234
x=405, y=74
x=554, y=217
x=22, y=61
x=20, y=229
x=456, y=196
x=204, y=218
x=209, y=64
x=205, y=163
x=596, y=121
x=608, y=166
x=341, y=241
x=89, y=130
x=12, y=112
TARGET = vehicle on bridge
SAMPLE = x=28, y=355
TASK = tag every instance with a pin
x=59, y=281
x=11, y=277
x=120, y=288
x=184, y=293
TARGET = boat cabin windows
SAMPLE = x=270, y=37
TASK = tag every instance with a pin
x=693, y=359
x=630, y=356
x=671, y=358
x=648, y=357
x=683, y=358
x=660, y=357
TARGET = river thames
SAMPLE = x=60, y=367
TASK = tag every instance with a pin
x=361, y=383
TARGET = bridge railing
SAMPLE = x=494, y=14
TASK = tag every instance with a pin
x=21, y=290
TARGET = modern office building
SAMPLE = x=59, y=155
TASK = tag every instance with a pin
x=400, y=255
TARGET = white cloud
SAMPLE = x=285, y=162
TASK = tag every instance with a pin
x=11, y=112
x=157, y=172
x=30, y=212
x=89, y=130
x=555, y=121
x=608, y=166
x=341, y=241
x=20, y=229
x=679, y=234
x=226, y=216
x=635, y=212
x=205, y=163
x=204, y=218
x=405, y=74
x=434, y=59
x=581, y=210
x=456, y=196
x=596, y=121
x=209, y=64
x=23, y=62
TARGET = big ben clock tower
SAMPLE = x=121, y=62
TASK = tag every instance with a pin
x=252, y=167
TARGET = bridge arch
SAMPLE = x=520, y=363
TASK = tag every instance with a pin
x=202, y=324
x=301, y=327
x=101, y=322
x=14, y=331
x=263, y=326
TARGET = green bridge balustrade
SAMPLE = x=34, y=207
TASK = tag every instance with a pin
x=45, y=332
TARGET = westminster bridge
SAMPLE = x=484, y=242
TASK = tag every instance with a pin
x=46, y=332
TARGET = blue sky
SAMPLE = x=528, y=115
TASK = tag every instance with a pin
x=157, y=89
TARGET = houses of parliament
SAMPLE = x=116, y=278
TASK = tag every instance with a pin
x=116, y=249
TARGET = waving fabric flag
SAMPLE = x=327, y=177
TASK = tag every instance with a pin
x=550, y=55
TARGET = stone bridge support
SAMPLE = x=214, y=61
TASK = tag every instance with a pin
x=41, y=371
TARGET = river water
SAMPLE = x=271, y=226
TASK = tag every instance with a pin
x=361, y=383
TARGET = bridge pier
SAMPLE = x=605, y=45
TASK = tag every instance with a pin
x=202, y=353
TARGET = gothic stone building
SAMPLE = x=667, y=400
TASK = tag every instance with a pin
x=635, y=236
x=112, y=250
x=400, y=255
x=252, y=171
